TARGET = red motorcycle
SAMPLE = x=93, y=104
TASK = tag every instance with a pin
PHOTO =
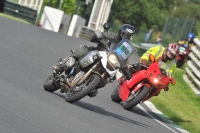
x=183, y=55
x=143, y=85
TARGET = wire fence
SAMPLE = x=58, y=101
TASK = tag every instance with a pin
x=176, y=28
x=173, y=30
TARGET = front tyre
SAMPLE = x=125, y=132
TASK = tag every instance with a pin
x=179, y=63
x=115, y=95
x=132, y=103
x=73, y=96
x=50, y=85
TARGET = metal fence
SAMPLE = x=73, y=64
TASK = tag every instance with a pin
x=192, y=77
x=176, y=28
x=22, y=12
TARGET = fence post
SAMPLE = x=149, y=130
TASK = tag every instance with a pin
x=2, y=3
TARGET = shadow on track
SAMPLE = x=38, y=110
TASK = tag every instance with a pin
x=102, y=111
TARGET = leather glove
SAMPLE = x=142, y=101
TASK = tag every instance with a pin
x=144, y=62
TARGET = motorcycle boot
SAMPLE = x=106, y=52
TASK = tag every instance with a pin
x=121, y=80
x=93, y=93
x=157, y=93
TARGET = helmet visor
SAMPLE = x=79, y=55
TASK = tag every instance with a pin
x=170, y=55
x=127, y=36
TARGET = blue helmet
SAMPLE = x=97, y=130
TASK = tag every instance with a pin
x=191, y=35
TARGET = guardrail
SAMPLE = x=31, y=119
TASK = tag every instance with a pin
x=192, y=76
x=19, y=11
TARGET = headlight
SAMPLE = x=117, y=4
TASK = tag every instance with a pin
x=155, y=80
x=113, y=59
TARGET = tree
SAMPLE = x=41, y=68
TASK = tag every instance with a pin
x=68, y=6
x=142, y=14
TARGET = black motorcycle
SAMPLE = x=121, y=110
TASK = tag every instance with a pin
x=93, y=70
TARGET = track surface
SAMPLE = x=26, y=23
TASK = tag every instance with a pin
x=27, y=54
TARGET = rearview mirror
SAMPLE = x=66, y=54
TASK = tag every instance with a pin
x=172, y=81
x=106, y=26
x=60, y=61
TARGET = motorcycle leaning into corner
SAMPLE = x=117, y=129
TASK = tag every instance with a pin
x=91, y=71
x=143, y=85
x=183, y=55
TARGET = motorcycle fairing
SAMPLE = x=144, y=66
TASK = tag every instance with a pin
x=124, y=91
x=126, y=87
x=183, y=52
x=104, y=62
x=136, y=77
x=179, y=57
x=152, y=74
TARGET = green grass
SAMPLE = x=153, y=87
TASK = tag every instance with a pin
x=180, y=104
x=13, y=18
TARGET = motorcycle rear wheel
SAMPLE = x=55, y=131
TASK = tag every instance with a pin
x=49, y=85
x=115, y=95
x=71, y=97
x=129, y=105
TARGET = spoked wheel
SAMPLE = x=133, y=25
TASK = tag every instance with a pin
x=78, y=92
x=115, y=95
x=136, y=99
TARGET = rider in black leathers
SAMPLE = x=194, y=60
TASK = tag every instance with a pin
x=126, y=31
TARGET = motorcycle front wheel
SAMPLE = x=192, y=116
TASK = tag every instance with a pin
x=179, y=63
x=133, y=102
x=73, y=95
x=49, y=85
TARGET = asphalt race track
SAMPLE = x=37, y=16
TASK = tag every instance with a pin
x=27, y=54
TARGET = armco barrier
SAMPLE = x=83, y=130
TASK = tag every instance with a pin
x=192, y=76
x=19, y=11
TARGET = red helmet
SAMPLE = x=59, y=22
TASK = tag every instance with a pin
x=172, y=50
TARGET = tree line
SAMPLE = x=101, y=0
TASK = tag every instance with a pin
x=143, y=14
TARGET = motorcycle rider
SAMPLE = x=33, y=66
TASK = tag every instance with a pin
x=166, y=55
x=189, y=40
x=126, y=31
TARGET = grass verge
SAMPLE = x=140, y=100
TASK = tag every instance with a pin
x=13, y=18
x=180, y=104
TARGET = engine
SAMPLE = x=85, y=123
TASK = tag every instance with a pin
x=74, y=79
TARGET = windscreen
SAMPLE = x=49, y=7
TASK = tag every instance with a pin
x=164, y=68
x=124, y=49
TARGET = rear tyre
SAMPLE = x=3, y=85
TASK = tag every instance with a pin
x=137, y=99
x=115, y=95
x=49, y=85
x=75, y=96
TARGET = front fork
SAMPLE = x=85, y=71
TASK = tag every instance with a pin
x=137, y=90
x=132, y=95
